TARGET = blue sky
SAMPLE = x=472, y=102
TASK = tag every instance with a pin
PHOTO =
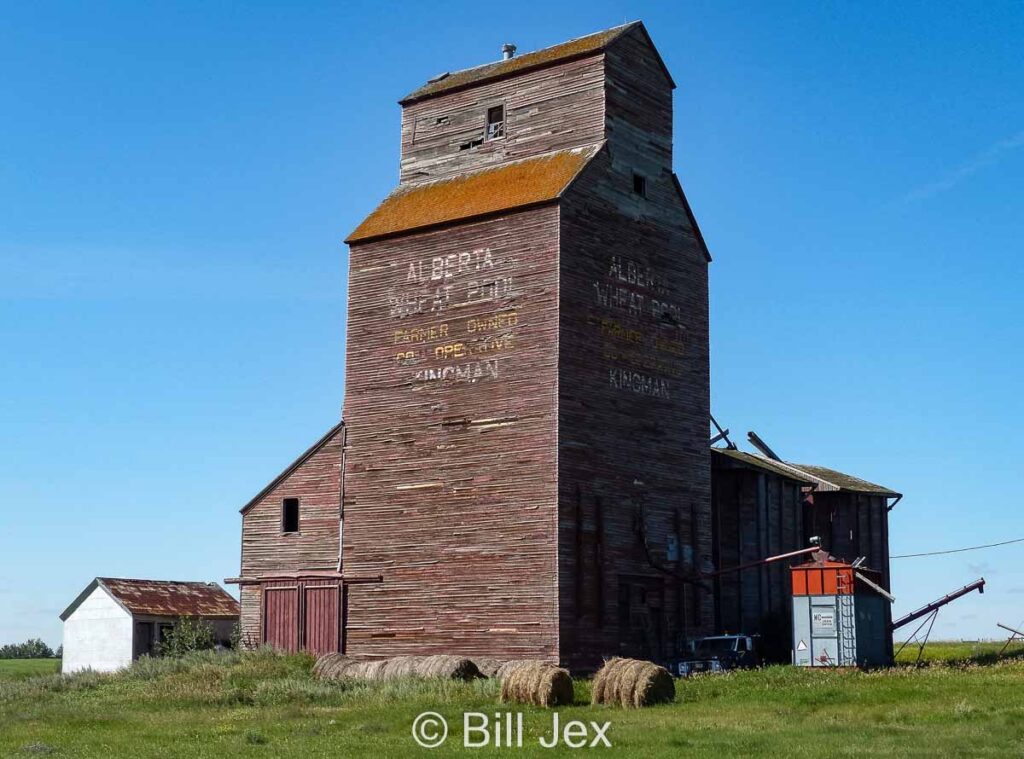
x=176, y=179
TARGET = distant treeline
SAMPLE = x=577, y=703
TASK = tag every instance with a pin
x=30, y=649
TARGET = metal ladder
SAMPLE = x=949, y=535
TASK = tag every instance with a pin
x=847, y=627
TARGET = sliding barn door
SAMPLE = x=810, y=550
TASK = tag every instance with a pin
x=322, y=624
x=281, y=618
x=304, y=616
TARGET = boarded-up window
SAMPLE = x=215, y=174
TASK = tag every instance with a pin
x=290, y=515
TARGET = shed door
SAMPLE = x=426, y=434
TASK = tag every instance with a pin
x=321, y=619
x=281, y=618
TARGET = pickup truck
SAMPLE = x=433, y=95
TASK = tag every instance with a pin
x=719, y=653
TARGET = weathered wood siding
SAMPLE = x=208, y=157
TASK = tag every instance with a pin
x=756, y=514
x=638, y=111
x=634, y=388
x=450, y=402
x=266, y=549
x=548, y=109
x=852, y=525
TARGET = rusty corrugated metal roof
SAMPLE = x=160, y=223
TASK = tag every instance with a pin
x=166, y=598
x=577, y=48
x=502, y=188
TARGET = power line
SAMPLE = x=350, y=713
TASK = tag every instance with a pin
x=957, y=550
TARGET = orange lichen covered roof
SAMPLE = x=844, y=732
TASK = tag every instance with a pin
x=502, y=188
x=592, y=43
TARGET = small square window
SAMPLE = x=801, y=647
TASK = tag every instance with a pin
x=640, y=185
x=495, y=122
x=290, y=515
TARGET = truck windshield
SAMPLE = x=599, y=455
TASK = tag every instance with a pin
x=712, y=646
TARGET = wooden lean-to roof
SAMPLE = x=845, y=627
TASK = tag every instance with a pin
x=763, y=463
x=830, y=479
x=822, y=478
x=163, y=598
x=549, y=56
x=505, y=187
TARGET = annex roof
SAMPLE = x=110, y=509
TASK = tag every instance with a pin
x=500, y=188
x=580, y=47
x=823, y=478
x=764, y=463
x=840, y=481
x=163, y=598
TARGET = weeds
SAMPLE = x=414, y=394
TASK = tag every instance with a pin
x=228, y=704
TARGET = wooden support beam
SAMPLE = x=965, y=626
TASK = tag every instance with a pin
x=762, y=446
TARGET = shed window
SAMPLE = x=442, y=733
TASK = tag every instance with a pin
x=640, y=185
x=290, y=515
x=495, y=122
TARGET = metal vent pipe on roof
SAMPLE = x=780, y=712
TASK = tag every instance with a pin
x=508, y=50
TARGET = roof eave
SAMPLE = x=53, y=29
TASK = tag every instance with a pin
x=351, y=241
x=657, y=56
x=412, y=98
x=620, y=31
x=96, y=583
x=595, y=149
x=693, y=219
x=765, y=466
x=293, y=466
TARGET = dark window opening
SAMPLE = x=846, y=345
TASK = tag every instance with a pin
x=290, y=515
x=442, y=120
x=495, y=122
x=163, y=632
x=471, y=144
x=640, y=185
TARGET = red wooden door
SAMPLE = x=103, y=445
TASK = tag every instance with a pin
x=321, y=619
x=281, y=618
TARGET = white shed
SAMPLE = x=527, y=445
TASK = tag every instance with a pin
x=115, y=621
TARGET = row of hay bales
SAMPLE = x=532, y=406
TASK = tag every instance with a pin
x=631, y=683
x=439, y=667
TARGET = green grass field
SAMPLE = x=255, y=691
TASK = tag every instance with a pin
x=966, y=652
x=18, y=669
x=264, y=705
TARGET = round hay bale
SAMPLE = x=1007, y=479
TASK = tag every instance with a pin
x=369, y=670
x=602, y=685
x=336, y=666
x=507, y=667
x=632, y=683
x=488, y=666
x=537, y=683
x=447, y=667
x=399, y=666
x=322, y=662
x=654, y=685
x=330, y=666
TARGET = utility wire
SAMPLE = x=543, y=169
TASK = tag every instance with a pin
x=957, y=550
